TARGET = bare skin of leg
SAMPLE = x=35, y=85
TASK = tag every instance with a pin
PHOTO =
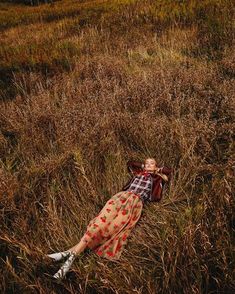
x=78, y=248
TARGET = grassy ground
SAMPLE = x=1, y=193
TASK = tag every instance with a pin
x=87, y=85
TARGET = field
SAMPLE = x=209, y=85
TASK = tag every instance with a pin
x=84, y=87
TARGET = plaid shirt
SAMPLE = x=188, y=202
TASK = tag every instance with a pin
x=142, y=185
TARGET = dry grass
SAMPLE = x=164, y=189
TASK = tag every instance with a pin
x=80, y=98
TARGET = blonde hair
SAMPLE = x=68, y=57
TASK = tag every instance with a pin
x=152, y=159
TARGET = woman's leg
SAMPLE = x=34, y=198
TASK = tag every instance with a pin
x=59, y=255
x=78, y=248
x=91, y=237
x=65, y=267
x=73, y=252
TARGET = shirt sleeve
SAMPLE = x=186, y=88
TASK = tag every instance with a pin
x=167, y=171
x=135, y=166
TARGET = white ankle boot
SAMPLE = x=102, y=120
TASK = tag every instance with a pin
x=59, y=255
x=65, y=267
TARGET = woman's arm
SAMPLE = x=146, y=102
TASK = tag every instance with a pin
x=135, y=166
x=166, y=170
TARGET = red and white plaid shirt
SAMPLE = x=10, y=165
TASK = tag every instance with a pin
x=142, y=185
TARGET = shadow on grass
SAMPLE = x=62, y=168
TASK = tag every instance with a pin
x=9, y=91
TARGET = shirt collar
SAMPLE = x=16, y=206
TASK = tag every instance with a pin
x=145, y=173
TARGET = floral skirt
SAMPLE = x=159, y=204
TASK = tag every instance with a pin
x=107, y=233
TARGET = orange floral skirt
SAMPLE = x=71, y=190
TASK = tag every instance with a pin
x=107, y=233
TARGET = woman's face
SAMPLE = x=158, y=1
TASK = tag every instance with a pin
x=150, y=165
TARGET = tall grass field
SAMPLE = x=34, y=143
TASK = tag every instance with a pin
x=86, y=86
